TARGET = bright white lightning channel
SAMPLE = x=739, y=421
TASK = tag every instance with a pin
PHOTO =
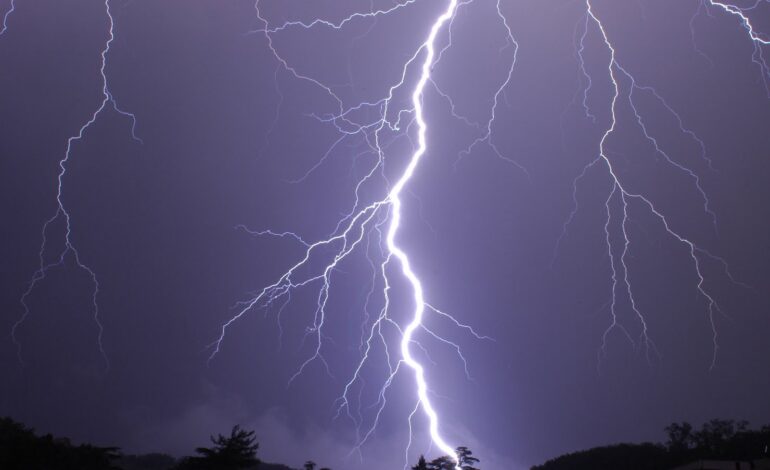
x=758, y=40
x=354, y=230
x=394, y=197
x=382, y=215
x=385, y=213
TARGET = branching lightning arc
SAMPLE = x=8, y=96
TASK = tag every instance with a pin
x=619, y=192
x=380, y=215
x=61, y=215
x=351, y=231
x=372, y=224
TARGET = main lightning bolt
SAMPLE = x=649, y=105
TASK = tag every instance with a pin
x=372, y=227
x=379, y=220
x=62, y=214
x=395, y=250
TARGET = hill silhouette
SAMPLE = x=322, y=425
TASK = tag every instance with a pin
x=717, y=440
x=22, y=449
x=726, y=441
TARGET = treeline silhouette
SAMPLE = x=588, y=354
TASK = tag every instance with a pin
x=718, y=439
x=723, y=440
x=22, y=449
x=464, y=456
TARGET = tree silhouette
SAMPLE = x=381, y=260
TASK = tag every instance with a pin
x=234, y=452
x=442, y=463
x=421, y=464
x=21, y=449
x=466, y=458
x=309, y=465
x=466, y=461
x=718, y=439
x=714, y=436
x=679, y=437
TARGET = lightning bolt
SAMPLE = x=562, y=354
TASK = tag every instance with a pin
x=371, y=225
x=395, y=250
x=621, y=284
x=62, y=214
x=379, y=220
x=758, y=40
x=7, y=14
x=366, y=221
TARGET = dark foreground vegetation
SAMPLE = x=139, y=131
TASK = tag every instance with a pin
x=22, y=449
x=717, y=444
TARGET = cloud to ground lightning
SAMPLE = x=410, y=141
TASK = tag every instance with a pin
x=381, y=218
x=373, y=220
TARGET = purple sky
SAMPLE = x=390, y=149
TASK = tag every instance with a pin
x=226, y=133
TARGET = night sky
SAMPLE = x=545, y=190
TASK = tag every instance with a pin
x=228, y=139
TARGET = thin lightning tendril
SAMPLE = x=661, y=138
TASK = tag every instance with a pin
x=620, y=194
x=62, y=214
x=758, y=39
x=7, y=14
